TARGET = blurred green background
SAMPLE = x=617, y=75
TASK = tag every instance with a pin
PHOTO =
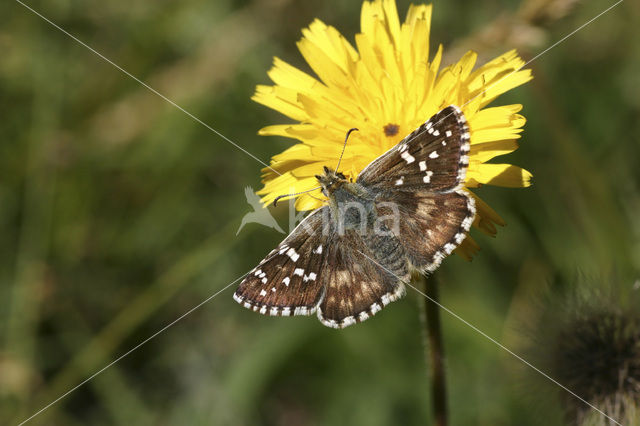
x=118, y=214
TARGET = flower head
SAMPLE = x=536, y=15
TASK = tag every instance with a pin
x=386, y=86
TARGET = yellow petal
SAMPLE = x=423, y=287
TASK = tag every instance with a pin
x=498, y=174
x=392, y=19
x=298, y=131
x=283, y=185
x=494, y=134
x=327, y=70
x=330, y=41
x=370, y=14
x=503, y=83
x=467, y=249
x=483, y=152
x=309, y=169
x=307, y=202
x=283, y=74
x=501, y=116
x=282, y=100
x=509, y=61
x=486, y=218
x=465, y=65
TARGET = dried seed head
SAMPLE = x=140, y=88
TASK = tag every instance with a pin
x=597, y=355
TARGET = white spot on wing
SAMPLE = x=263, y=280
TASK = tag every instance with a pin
x=423, y=166
x=348, y=321
x=293, y=255
x=448, y=248
x=298, y=271
x=434, y=154
x=407, y=157
x=330, y=323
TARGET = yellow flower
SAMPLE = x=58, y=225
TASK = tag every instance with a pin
x=386, y=86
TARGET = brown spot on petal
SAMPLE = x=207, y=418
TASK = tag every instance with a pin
x=391, y=129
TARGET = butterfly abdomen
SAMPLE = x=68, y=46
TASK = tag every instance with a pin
x=389, y=253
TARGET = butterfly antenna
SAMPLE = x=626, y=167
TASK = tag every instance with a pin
x=296, y=193
x=344, y=146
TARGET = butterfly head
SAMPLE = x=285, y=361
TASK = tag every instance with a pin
x=331, y=181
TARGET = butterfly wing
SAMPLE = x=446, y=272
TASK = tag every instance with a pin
x=433, y=157
x=363, y=275
x=288, y=281
x=422, y=177
x=431, y=224
x=345, y=277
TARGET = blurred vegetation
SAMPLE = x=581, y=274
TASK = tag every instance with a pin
x=118, y=214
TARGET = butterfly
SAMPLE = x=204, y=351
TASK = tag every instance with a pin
x=346, y=260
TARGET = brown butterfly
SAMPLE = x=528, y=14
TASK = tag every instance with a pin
x=406, y=211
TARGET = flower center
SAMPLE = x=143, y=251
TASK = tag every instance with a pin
x=391, y=129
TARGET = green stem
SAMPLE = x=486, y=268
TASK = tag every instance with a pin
x=435, y=350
